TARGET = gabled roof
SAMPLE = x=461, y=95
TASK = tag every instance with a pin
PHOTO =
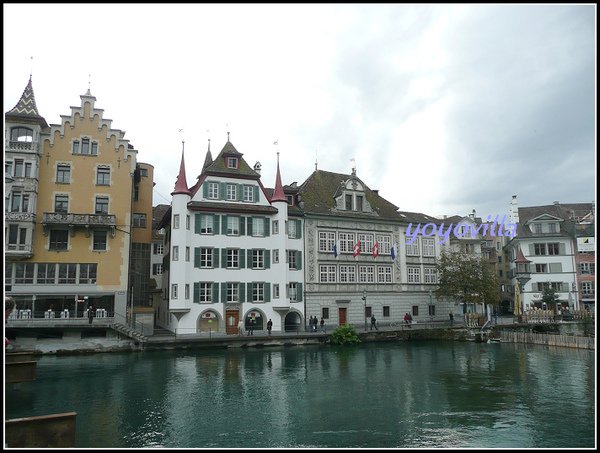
x=218, y=167
x=26, y=109
x=566, y=212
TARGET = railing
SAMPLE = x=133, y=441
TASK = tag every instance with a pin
x=64, y=218
x=49, y=318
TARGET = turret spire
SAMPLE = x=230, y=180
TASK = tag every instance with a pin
x=181, y=186
x=278, y=194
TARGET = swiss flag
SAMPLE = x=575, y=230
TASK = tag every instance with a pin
x=375, y=250
x=356, y=249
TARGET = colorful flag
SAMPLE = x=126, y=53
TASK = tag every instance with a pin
x=394, y=251
x=375, y=250
x=356, y=249
x=336, y=253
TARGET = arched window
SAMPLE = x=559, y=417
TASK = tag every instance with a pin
x=21, y=134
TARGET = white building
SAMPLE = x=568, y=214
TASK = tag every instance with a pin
x=233, y=251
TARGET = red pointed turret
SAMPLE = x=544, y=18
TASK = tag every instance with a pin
x=278, y=194
x=181, y=186
x=521, y=258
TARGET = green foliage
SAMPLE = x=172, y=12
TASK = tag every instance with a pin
x=549, y=296
x=344, y=334
x=588, y=325
x=466, y=278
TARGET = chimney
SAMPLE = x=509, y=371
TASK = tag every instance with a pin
x=257, y=167
x=514, y=210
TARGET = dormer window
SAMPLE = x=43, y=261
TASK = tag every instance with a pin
x=537, y=228
x=348, y=202
x=359, y=203
x=552, y=227
x=232, y=162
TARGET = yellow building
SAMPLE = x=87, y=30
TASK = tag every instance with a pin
x=93, y=202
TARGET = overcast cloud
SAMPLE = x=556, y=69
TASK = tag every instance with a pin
x=445, y=109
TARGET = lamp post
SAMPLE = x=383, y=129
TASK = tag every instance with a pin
x=364, y=298
x=430, y=305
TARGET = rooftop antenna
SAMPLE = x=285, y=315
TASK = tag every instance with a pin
x=31, y=72
x=208, y=133
x=227, y=126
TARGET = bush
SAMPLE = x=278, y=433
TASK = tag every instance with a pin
x=344, y=334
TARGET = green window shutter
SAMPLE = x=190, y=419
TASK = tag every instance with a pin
x=267, y=226
x=215, y=293
x=216, y=219
x=242, y=225
x=205, y=189
x=223, y=292
x=249, y=229
x=298, y=229
x=531, y=250
x=196, y=292
x=224, y=224
x=197, y=223
x=298, y=260
x=196, y=256
x=299, y=287
x=267, y=292
x=215, y=258
x=562, y=249
x=223, y=258
x=255, y=189
x=249, y=292
x=240, y=192
x=222, y=191
x=241, y=293
x=249, y=258
x=267, y=259
x=242, y=258
x=555, y=267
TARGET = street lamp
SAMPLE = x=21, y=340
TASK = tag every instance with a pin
x=364, y=298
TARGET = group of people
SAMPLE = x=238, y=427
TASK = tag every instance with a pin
x=408, y=319
x=313, y=323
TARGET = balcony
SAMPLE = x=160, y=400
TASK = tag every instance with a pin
x=16, y=146
x=71, y=220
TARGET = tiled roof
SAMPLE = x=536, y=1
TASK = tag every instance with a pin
x=26, y=109
x=561, y=211
x=219, y=165
x=242, y=208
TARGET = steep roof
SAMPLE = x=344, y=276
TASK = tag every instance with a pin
x=181, y=186
x=566, y=212
x=218, y=167
x=26, y=109
x=278, y=194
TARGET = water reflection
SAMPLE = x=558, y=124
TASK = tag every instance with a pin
x=428, y=394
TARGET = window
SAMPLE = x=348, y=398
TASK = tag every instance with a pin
x=46, y=273
x=384, y=274
x=85, y=146
x=275, y=227
x=258, y=259
x=553, y=249
x=76, y=147
x=368, y=311
x=63, y=173
x=206, y=256
x=412, y=249
x=293, y=292
x=19, y=202
x=366, y=274
x=359, y=203
x=384, y=244
x=18, y=168
x=366, y=243
x=248, y=193
x=233, y=258
x=24, y=273
x=158, y=248
x=539, y=249
x=175, y=221
x=206, y=224
x=414, y=275
x=348, y=201
x=541, y=268
x=428, y=246
x=232, y=292
x=537, y=228
x=233, y=225
x=187, y=291
x=275, y=254
x=587, y=288
x=59, y=240
x=232, y=162
x=139, y=220
x=326, y=241
x=347, y=274
x=325, y=312
x=386, y=311
x=499, y=259
x=61, y=203
x=17, y=237
x=258, y=292
x=431, y=310
x=101, y=205
x=347, y=241
x=103, y=176
x=187, y=222
x=66, y=274
x=552, y=227
x=258, y=226
x=276, y=290
x=144, y=172
x=157, y=269
x=174, y=291
x=205, y=292
x=430, y=275
x=213, y=190
x=231, y=192
x=187, y=254
x=326, y=273
x=291, y=229
x=21, y=134
x=175, y=255
x=587, y=268
x=291, y=259
x=87, y=274
x=415, y=310
x=99, y=240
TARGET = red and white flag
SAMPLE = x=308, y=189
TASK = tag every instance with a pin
x=356, y=251
x=375, y=250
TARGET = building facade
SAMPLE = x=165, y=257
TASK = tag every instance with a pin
x=232, y=252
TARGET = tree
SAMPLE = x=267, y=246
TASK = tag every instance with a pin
x=466, y=278
x=549, y=296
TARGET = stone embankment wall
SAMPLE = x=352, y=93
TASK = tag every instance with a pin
x=569, y=341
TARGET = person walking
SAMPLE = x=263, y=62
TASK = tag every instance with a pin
x=322, y=324
x=90, y=314
x=373, y=322
x=240, y=328
x=250, y=327
x=451, y=319
x=269, y=326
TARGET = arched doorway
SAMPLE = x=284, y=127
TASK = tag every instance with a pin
x=292, y=322
x=208, y=322
x=259, y=320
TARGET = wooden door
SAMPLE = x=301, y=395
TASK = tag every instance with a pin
x=232, y=318
x=342, y=315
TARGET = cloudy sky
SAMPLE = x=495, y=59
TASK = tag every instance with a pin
x=444, y=109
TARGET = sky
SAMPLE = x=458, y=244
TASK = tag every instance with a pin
x=442, y=108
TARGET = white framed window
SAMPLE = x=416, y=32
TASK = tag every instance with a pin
x=258, y=292
x=174, y=291
x=233, y=226
x=327, y=273
x=384, y=274
x=428, y=245
x=412, y=249
x=232, y=292
x=158, y=248
x=537, y=227
x=187, y=291
x=206, y=255
x=258, y=226
x=347, y=274
x=275, y=227
x=587, y=288
x=232, y=162
x=213, y=190
x=175, y=253
x=231, y=192
x=552, y=227
x=366, y=243
x=157, y=269
x=276, y=290
x=430, y=275
x=103, y=176
x=414, y=274
x=187, y=254
x=385, y=243
x=347, y=241
x=541, y=268
x=206, y=224
x=205, y=292
x=553, y=248
x=233, y=258
x=187, y=222
x=249, y=193
x=326, y=241
x=87, y=273
x=258, y=259
x=291, y=226
x=63, y=173
x=293, y=292
x=275, y=255
x=366, y=274
x=587, y=268
x=175, y=221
